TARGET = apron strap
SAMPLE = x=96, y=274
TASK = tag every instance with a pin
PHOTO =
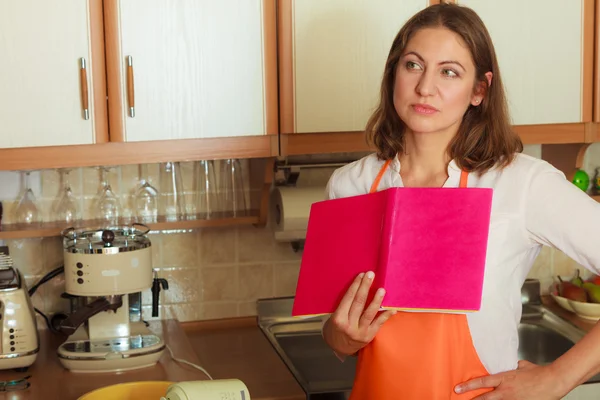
x=464, y=177
x=375, y=184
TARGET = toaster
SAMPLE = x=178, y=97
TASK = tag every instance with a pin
x=19, y=339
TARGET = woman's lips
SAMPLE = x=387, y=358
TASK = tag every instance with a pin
x=424, y=109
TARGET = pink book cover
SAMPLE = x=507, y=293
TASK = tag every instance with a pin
x=427, y=247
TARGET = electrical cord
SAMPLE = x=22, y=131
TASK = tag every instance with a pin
x=45, y=319
x=50, y=275
x=179, y=360
x=54, y=273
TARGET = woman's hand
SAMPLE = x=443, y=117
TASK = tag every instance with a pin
x=352, y=326
x=529, y=381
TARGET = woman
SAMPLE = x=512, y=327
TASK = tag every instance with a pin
x=443, y=122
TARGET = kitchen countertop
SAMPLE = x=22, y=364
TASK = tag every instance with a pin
x=237, y=348
x=49, y=380
x=228, y=348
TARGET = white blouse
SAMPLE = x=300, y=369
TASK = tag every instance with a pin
x=533, y=205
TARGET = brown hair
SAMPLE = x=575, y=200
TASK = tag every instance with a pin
x=485, y=137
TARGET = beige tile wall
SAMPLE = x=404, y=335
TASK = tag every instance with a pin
x=551, y=263
x=212, y=273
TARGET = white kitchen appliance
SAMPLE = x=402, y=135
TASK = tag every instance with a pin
x=19, y=339
x=106, y=267
x=219, y=389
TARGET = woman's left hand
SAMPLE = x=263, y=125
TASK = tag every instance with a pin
x=529, y=381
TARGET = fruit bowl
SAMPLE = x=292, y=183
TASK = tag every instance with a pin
x=579, y=296
x=590, y=311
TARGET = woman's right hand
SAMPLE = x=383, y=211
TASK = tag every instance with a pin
x=354, y=324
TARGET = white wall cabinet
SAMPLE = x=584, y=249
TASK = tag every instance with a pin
x=199, y=69
x=41, y=45
x=245, y=70
x=334, y=54
x=544, y=49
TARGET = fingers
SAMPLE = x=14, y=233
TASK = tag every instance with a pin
x=379, y=321
x=360, y=298
x=348, y=299
x=371, y=311
x=490, y=381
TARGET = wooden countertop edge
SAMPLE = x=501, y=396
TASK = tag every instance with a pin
x=201, y=327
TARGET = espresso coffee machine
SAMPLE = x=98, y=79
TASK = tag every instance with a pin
x=106, y=270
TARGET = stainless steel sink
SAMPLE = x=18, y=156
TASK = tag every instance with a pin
x=301, y=347
x=543, y=337
x=541, y=345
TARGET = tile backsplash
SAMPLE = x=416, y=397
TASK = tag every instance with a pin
x=212, y=272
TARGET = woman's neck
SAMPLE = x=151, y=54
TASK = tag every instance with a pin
x=424, y=162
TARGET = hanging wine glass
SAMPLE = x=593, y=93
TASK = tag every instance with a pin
x=205, y=191
x=66, y=209
x=146, y=199
x=27, y=212
x=233, y=188
x=171, y=202
x=108, y=205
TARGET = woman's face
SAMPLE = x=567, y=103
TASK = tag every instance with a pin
x=434, y=84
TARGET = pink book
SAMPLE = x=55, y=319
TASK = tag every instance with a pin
x=427, y=247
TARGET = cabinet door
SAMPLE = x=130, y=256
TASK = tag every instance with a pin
x=545, y=52
x=197, y=68
x=41, y=96
x=333, y=55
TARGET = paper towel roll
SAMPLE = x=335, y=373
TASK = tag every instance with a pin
x=290, y=209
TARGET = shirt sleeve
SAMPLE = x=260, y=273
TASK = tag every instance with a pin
x=330, y=188
x=560, y=215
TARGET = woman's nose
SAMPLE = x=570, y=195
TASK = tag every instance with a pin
x=426, y=85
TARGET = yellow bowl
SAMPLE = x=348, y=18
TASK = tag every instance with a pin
x=150, y=390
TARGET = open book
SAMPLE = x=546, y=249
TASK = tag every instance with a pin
x=427, y=247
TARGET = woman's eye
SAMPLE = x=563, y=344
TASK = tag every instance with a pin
x=449, y=73
x=412, y=65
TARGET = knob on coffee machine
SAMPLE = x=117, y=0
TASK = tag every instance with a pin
x=108, y=237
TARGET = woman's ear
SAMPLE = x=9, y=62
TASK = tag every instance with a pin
x=481, y=89
x=488, y=76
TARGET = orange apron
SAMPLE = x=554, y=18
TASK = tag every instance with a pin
x=418, y=355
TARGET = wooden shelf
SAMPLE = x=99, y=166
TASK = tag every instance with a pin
x=247, y=147
x=107, y=154
x=347, y=142
x=554, y=133
x=53, y=229
x=323, y=142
